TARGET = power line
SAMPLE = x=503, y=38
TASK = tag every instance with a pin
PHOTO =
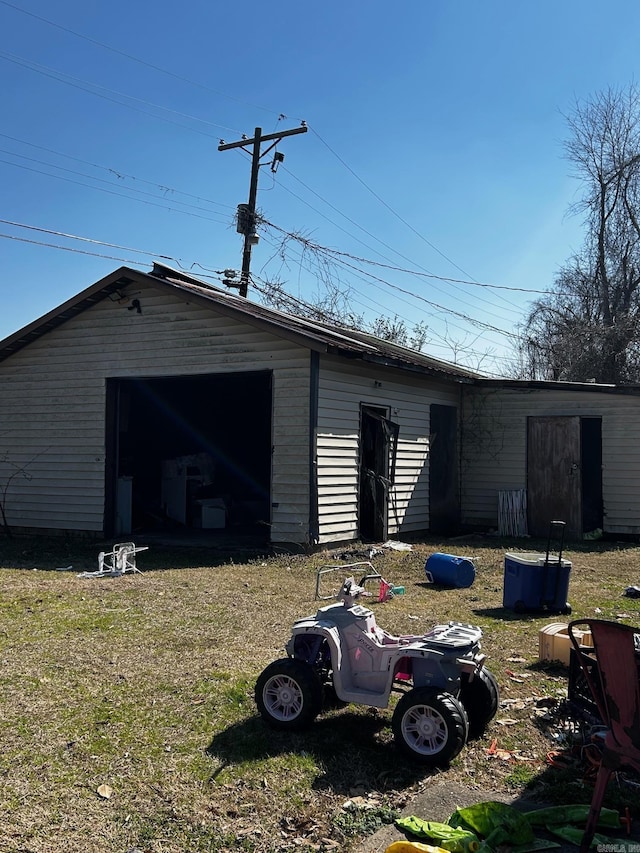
x=448, y=311
x=119, y=174
x=312, y=311
x=86, y=239
x=313, y=246
x=292, y=300
x=401, y=219
x=447, y=345
x=140, y=61
x=468, y=319
x=338, y=253
x=395, y=251
x=59, y=75
x=344, y=215
x=370, y=277
x=388, y=206
x=473, y=321
x=86, y=86
x=112, y=171
x=200, y=85
x=90, y=177
x=114, y=192
x=180, y=263
x=68, y=249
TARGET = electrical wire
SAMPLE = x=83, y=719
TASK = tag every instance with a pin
x=352, y=267
x=58, y=76
x=180, y=263
x=86, y=239
x=279, y=114
x=69, y=249
x=92, y=178
x=513, y=309
x=112, y=96
x=311, y=311
x=116, y=172
x=476, y=323
x=377, y=281
x=418, y=273
x=114, y=192
x=388, y=206
x=334, y=253
x=143, y=62
x=308, y=308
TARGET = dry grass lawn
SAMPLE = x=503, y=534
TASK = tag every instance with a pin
x=144, y=684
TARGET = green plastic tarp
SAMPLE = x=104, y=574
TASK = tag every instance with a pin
x=497, y=823
x=453, y=839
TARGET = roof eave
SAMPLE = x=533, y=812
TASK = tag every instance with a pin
x=71, y=308
x=424, y=369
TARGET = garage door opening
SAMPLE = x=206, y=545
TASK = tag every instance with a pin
x=189, y=454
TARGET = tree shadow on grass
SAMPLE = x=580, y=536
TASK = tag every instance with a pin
x=573, y=784
x=352, y=751
x=47, y=554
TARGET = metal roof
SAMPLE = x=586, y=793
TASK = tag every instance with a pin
x=316, y=335
x=320, y=336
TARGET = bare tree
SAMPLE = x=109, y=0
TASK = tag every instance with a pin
x=333, y=301
x=588, y=328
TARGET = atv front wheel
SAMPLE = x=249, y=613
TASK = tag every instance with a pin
x=288, y=694
x=430, y=726
x=480, y=697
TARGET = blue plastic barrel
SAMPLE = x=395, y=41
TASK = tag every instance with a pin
x=449, y=570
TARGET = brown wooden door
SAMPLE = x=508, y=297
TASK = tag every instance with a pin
x=554, y=478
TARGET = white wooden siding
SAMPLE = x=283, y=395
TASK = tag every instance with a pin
x=52, y=404
x=342, y=389
x=495, y=445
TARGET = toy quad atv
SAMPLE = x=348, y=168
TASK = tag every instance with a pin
x=448, y=695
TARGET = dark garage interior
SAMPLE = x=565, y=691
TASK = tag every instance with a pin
x=190, y=453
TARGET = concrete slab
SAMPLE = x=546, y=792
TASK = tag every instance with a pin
x=440, y=798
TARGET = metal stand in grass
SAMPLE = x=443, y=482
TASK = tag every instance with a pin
x=119, y=561
x=448, y=694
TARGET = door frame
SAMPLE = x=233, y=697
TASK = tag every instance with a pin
x=444, y=487
x=576, y=471
x=376, y=471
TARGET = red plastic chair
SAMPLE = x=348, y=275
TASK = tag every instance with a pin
x=611, y=670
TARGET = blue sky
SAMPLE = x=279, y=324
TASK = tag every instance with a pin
x=434, y=145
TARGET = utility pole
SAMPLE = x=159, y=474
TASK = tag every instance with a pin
x=247, y=212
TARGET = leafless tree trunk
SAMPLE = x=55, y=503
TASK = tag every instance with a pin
x=588, y=329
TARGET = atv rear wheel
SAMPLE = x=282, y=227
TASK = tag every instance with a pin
x=480, y=697
x=288, y=694
x=430, y=726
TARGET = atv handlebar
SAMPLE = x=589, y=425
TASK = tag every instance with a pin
x=350, y=591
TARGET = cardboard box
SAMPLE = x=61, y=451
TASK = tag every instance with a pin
x=554, y=642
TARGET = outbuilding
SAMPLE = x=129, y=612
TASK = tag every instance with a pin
x=533, y=452
x=156, y=402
